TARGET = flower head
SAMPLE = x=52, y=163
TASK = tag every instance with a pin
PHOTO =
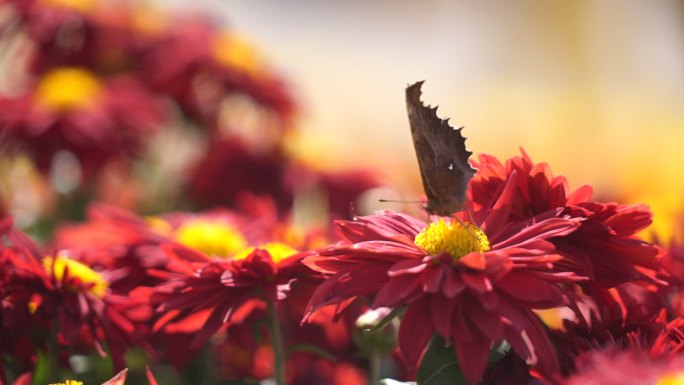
x=72, y=109
x=88, y=312
x=473, y=283
x=211, y=66
x=74, y=275
x=605, y=248
x=204, y=293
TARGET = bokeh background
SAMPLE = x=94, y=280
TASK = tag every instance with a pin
x=595, y=88
x=288, y=111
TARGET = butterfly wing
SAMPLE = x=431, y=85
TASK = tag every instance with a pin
x=442, y=156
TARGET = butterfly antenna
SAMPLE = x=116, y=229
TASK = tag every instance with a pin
x=396, y=201
x=471, y=218
x=465, y=227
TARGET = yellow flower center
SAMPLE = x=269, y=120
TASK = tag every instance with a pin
x=84, y=6
x=277, y=250
x=69, y=382
x=68, y=88
x=453, y=238
x=78, y=270
x=212, y=237
x=676, y=378
x=234, y=51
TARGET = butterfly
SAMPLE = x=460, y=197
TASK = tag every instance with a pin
x=442, y=156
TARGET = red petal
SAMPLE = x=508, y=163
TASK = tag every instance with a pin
x=496, y=218
x=442, y=310
x=431, y=279
x=489, y=322
x=473, y=356
x=582, y=194
x=119, y=379
x=398, y=290
x=533, y=291
x=150, y=376
x=478, y=282
x=453, y=284
x=475, y=261
x=415, y=332
x=409, y=266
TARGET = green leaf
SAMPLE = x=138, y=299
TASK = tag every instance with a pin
x=397, y=312
x=312, y=349
x=439, y=365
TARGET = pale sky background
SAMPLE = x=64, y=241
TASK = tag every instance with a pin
x=595, y=88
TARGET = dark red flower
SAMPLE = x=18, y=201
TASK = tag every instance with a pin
x=672, y=271
x=613, y=319
x=88, y=313
x=474, y=285
x=231, y=168
x=71, y=109
x=204, y=294
x=128, y=245
x=116, y=240
x=605, y=248
x=210, y=65
x=23, y=288
x=106, y=37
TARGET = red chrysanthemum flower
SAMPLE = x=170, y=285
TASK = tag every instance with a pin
x=89, y=313
x=116, y=240
x=71, y=109
x=108, y=37
x=614, y=320
x=474, y=285
x=230, y=169
x=128, y=245
x=38, y=292
x=632, y=367
x=210, y=65
x=605, y=248
x=203, y=293
x=672, y=265
x=119, y=379
x=23, y=287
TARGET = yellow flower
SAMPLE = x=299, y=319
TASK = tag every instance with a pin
x=61, y=264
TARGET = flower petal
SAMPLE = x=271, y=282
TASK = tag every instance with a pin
x=415, y=332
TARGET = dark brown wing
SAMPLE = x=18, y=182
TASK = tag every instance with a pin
x=442, y=156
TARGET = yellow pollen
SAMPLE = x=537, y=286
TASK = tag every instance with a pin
x=69, y=382
x=212, y=237
x=234, y=51
x=67, y=88
x=453, y=238
x=676, y=378
x=76, y=270
x=278, y=251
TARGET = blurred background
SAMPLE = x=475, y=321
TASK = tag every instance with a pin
x=285, y=112
x=594, y=88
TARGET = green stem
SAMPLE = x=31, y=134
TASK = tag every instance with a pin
x=277, y=342
x=375, y=364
